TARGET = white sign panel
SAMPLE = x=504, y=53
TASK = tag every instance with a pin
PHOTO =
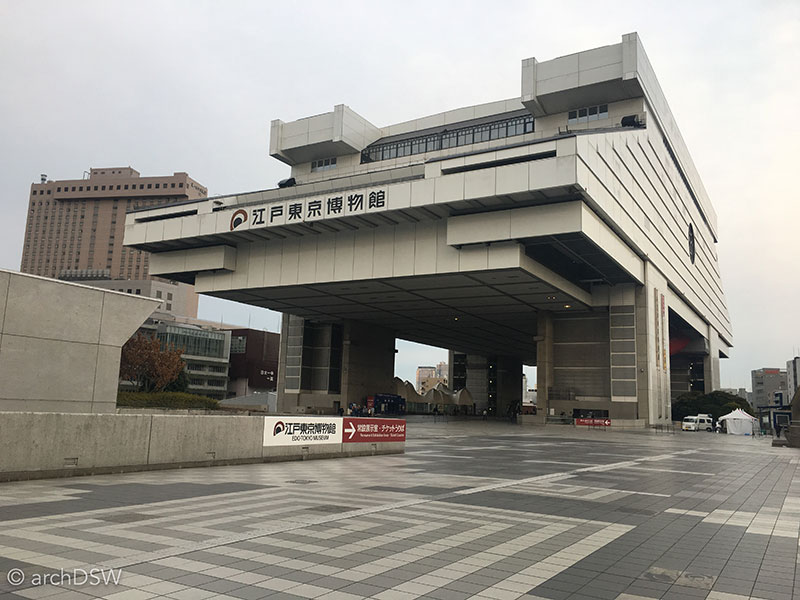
x=301, y=210
x=302, y=431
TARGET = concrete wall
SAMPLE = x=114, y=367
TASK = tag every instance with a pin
x=38, y=445
x=60, y=343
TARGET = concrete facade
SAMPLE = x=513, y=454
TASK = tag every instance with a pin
x=177, y=299
x=566, y=228
x=766, y=382
x=60, y=343
x=793, y=375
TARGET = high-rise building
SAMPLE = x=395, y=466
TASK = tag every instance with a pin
x=766, y=382
x=177, y=299
x=423, y=374
x=75, y=227
x=793, y=375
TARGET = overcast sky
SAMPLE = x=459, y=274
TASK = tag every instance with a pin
x=170, y=86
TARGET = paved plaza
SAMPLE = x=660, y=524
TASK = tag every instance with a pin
x=472, y=510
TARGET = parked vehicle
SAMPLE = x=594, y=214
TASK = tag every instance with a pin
x=698, y=423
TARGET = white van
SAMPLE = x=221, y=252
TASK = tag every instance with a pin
x=698, y=423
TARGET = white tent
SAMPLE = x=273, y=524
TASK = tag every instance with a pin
x=738, y=422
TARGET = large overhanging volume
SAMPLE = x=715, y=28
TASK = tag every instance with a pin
x=582, y=242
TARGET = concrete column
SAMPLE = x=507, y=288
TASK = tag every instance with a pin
x=643, y=374
x=478, y=381
x=544, y=361
x=324, y=366
x=711, y=362
x=659, y=405
x=509, y=384
x=367, y=362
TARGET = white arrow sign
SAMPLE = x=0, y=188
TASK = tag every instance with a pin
x=351, y=431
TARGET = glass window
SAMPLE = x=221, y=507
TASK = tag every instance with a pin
x=238, y=344
x=603, y=111
x=592, y=113
x=582, y=115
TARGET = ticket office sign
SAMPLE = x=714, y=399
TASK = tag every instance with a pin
x=302, y=431
x=373, y=430
x=594, y=422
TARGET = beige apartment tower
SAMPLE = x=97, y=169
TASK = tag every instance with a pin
x=75, y=227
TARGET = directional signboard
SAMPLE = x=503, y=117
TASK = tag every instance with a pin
x=373, y=430
x=600, y=422
x=302, y=431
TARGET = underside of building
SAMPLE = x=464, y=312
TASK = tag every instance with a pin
x=566, y=229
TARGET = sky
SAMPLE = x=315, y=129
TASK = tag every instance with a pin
x=167, y=86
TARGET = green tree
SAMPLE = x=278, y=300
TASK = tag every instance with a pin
x=181, y=384
x=715, y=404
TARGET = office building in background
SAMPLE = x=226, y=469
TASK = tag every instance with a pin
x=75, y=228
x=766, y=382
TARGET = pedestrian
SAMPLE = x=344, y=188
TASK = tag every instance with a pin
x=778, y=428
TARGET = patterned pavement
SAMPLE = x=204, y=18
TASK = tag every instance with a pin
x=472, y=510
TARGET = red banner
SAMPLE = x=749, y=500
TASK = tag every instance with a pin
x=601, y=422
x=373, y=430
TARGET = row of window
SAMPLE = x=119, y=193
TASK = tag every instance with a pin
x=195, y=342
x=210, y=382
x=102, y=188
x=590, y=113
x=449, y=139
x=323, y=164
